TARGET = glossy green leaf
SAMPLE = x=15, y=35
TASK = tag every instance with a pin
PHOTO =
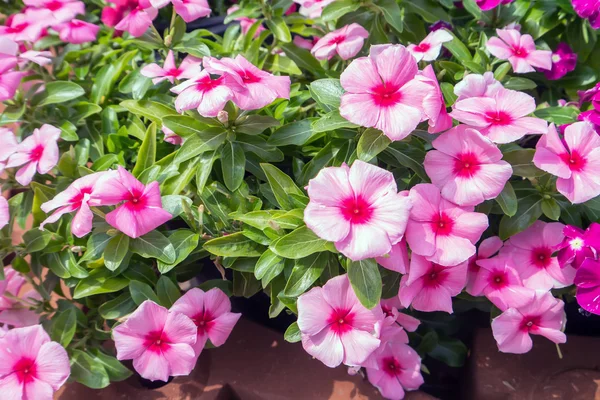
x=233, y=164
x=167, y=291
x=154, y=245
x=64, y=325
x=141, y=292
x=234, y=245
x=366, y=281
x=306, y=271
x=115, y=251
x=300, y=243
x=147, y=153
x=371, y=143
x=88, y=371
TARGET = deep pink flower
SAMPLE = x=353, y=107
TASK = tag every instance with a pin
x=141, y=211
x=37, y=152
x=32, y=367
x=436, y=26
x=441, y=231
x=589, y=9
x=591, y=95
x=9, y=83
x=59, y=10
x=26, y=27
x=172, y=137
x=575, y=160
x=191, y=10
x=467, y=167
x=335, y=327
x=159, y=342
x=396, y=259
x=391, y=309
x=564, y=60
x=382, y=91
x=357, y=208
x=4, y=212
x=77, y=31
x=531, y=252
x=258, y=88
x=474, y=85
x=429, y=286
x=138, y=20
x=303, y=43
x=519, y=50
x=346, y=42
x=205, y=94
x=430, y=47
x=587, y=281
x=79, y=196
x=543, y=315
x=502, y=118
x=190, y=67
x=486, y=5
x=578, y=245
x=487, y=248
x=211, y=312
x=434, y=106
x=312, y=8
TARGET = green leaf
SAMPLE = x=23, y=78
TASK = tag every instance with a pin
x=502, y=70
x=57, y=92
x=147, y=153
x=303, y=59
x=409, y=156
x=184, y=241
x=95, y=246
x=154, y=245
x=448, y=92
x=107, y=77
x=56, y=263
x=167, y=291
x=88, y=371
x=366, y=281
x=222, y=284
x=141, y=292
x=105, y=162
x=95, y=284
x=186, y=126
x=208, y=140
x=234, y=245
x=117, y=307
x=522, y=163
x=507, y=199
x=36, y=240
x=306, y=271
x=300, y=243
x=282, y=185
x=279, y=29
x=338, y=9
x=268, y=262
x=551, y=209
x=428, y=9
x=450, y=351
x=233, y=164
x=116, y=371
x=260, y=147
x=327, y=92
x=330, y=122
x=64, y=325
x=245, y=284
x=528, y=211
x=514, y=83
x=371, y=143
x=292, y=333
x=296, y=133
x=255, y=124
x=392, y=13
x=115, y=251
x=458, y=49
x=148, y=109
x=558, y=115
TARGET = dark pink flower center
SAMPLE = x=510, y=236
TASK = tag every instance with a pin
x=386, y=96
x=36, y=153
x=340, y=321
x=391, y=366
x=466, y=165
x=387, y=311
x=435, y=277
x=25, y=370
x=136, y=201
x=157, y=342
x=174, y=72
x=337, y=39
x=54, y=5
x=498, y=280
x=207, y=84
x=574, y=160
x=203, y=321
x=473, y=267
x=442, y=224
x=498, y=118
x=423, y=47
x=249, y=77
x=530, y=323
x=356, y=210
x=78, y=198
x=520, y=52
x=18, y=28
x=541, y=257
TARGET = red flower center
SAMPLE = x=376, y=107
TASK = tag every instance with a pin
x=574, y=160
x=36, y=153
x=473, y=267
x=466, y=165
x=356, y=210
x=341, y=321
x=78, y=198
x=385, y=96
x=25, y=370
x=498, y=118
x=157, y=342
x=520, y=52
x=203, y=321
x=174, y=72
x=18, y=28
x=337, y=39
x=249, y=77
x=136, y=201
x=530, y=323
x=498, y=280
x=391, y=366
x=442, y=224
x=387, y=311
x=54, y=5
x=541, y=257
x=423, y=47
x=435, y=277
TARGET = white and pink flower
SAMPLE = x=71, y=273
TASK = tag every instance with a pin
x=519, y=50
x=429, y=48
x=346, y=42
x=189, y=68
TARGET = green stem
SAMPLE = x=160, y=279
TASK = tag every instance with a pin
x=98, y=212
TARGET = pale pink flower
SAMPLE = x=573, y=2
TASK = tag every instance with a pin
x=434, y=105
x=575, y=160
x=502, y=118
x=205, y=94
x=382, y=92
x=543, y=315
x=188, y=69
x=211, y=312
x=9, y=146
x=14, y=312
x=303, y=43
x=487, y=248
x=258, y=88
x=159, y=342
x=38, y=57
x=245, y=22
x=172, y=137
x=8, y=54
x=346, y=42
x=138, y=20
x=4, y=212
x=59, y=10
x=27, y=26
x=467, y=167
x=357, y=208
x=191, y=10
x=10, y=286
x=441, y=231
x=32, y=367
x=396, y=259
x=430, y=47
x=532, y=254
x=391, y=309
x=429, y=286
x=76, y=31
x=519, y=50
x=474, y=85
x=312, y=8
x=335, y=327
x=37, y=152
x=9, y=83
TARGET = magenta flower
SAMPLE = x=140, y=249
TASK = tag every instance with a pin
x=312, y=8
x=139, y=19
x=589, y=9
x=211, y=312
x=487, y=248
x=429, y=286
x=205, y=94
x=564, y=60
x=396, y=259
x=189, y=68
x=543, y=315
x=37, y=152
x=441, y=231
x=172, y=137
x=519, y=50
x=434, y=106
x=391, y=309
x=502, y=118
x=486, y=5
x=159, y=342
x=346, y=42
x=77, y=32
x=578, y=245
x=25, y=27
x=9, y=83
x=191, y=10
x=357, y=208
x=335, y=327
x=531, y=252
x=382, y=91
x=258, y=88
x=474, y=85
x=32, y=367
x=575, y=160
x=4, y=212
x=430, y=47
x=59, y=10
x=467, y=167
x=587, y=281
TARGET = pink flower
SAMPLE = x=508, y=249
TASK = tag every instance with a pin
x=304, y=43
x=38, y=57
x=25, y=27
x=189, y=68
x=312, y=8
x=33, y=367
x=9, y=146
x=346, y=42
x=172, y=137
x=335, y=327
x=391, y=308
x=575, y=160
x=59, y=10
x=434, y=106
x=519, y=50
x=357, y=208
x=159, y=342
x=141, y=211
x=578, y=245
x=502, y=118
x=37, y=152
x=211, y=312
x=564, y=60
x=486, y=5
x=474, y=85
x=9, y=83
x=587, y=281
x=4, y=212
x=589, y=9
x=467, y=167
x=77, y=32
x=429, y=286
x=8, y=54
x=531, y=252
x=382, y=92
x=191, y=10
x=17, y=312
x=138, y=20
x=543, y=315
x=441, y=231
x=396, y=259
x=258, y=88
x=10, y=286
x=430, y=47
x=245, y=22
x=205, y=94
x=79, y=196
x=487, y=248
